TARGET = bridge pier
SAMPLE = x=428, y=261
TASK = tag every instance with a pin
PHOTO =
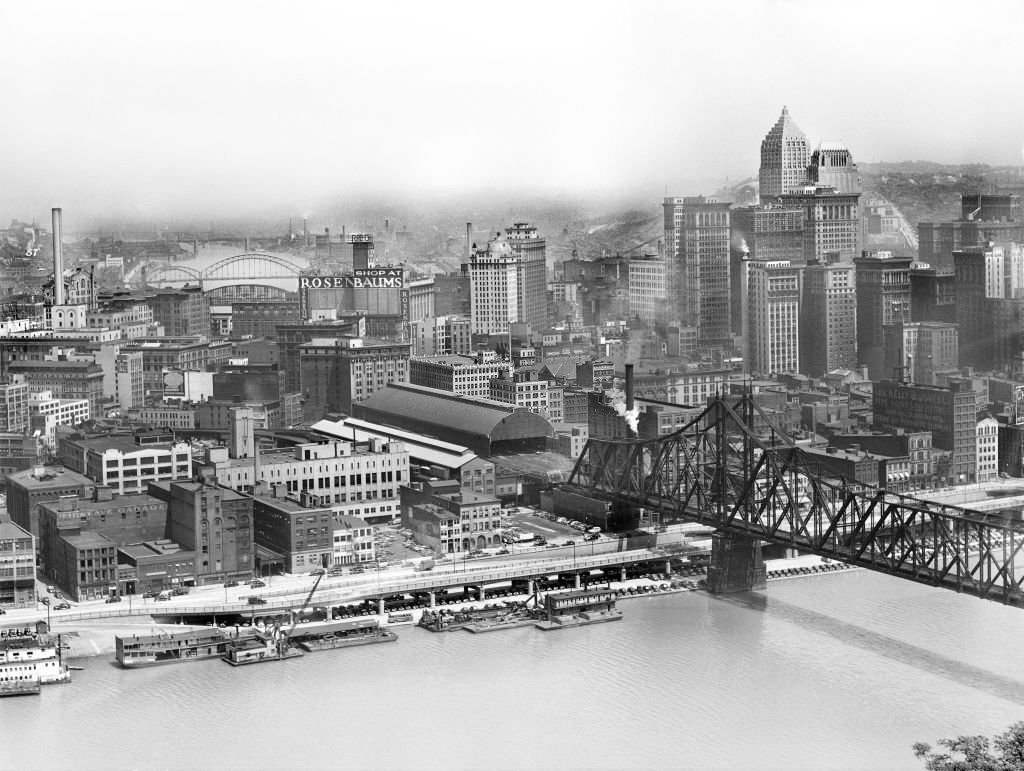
x=576, y=581
x=736, y=564
x=380, y=606
x=433, y=599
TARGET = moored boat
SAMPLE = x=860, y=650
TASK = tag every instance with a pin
x=168, y=647
x=343, y=634
x=31, y=659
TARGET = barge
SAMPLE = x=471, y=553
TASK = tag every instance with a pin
x=20, y=688
x=259, y=649
x=344, y=634
x=445, y=620
x=30, y=661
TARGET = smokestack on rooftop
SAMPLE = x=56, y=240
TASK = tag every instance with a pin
x=629, y=388
x=58, y=260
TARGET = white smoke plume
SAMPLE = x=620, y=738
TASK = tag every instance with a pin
x=618, y=403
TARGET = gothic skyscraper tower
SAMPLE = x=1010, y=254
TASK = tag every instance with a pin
x=785, y=154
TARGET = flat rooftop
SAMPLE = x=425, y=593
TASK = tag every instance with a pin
x=50, y=477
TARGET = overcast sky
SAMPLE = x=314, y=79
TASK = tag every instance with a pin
x=191, y=107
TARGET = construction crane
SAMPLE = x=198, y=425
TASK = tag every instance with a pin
x=282, y=639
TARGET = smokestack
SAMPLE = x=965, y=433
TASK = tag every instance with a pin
x=469, y=241
x=629, y=388
x=58, y=260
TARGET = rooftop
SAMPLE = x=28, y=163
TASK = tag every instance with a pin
x=45, y=477
x=10, y=531
x=88, y=540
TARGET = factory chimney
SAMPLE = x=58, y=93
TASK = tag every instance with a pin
x=629, y=388
x=58, y=260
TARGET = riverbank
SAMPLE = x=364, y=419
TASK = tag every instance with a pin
x=96, y=638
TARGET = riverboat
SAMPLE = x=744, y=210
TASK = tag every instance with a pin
x=132, y=651
x=578, y=608
x=31, y=659
x=344, y=634
x=400, y=618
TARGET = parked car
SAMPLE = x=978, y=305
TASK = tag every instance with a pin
x=256, y=600
x=51, y=588
x=62, y=606
x=356, y=569
x=229, y=584
x=113, y=598
x=149, y=595
x=257, y=584
x=179, y=590
x=44, y=600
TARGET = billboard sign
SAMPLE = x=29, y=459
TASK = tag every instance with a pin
x=361, y=278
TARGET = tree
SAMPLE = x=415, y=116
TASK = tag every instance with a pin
x=974, y=753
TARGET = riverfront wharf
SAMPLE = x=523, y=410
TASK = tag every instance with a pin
x=469, y=579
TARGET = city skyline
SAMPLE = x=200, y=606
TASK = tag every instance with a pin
x=246, y=107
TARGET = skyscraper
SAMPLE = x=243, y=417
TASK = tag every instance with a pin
x=828, y=323
x=773, y=317
x=832, y=166
x=921, y=350
x=785, y=154
x=508, y=281
x=697, y=266
x=883, y=297
x=832, y=226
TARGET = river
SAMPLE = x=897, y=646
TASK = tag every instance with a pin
x=844, y=670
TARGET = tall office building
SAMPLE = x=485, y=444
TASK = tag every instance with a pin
x=983, y=275
x=784, y=157
x=697, y=266
x=508, y=281
x=647, y=289
x=832, y=166
x=983, y=218
x=772, y=232
x=932, y=294
x=832, y=226
x=883, y=297
x=828, y=323
x=921, y=351
x=773, y=317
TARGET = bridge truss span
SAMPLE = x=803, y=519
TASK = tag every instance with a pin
x=251, y=265
x=720, y=471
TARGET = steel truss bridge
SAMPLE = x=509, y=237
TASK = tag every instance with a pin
x=718, y=471
x=241, y=277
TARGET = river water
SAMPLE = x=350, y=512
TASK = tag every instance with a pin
x=843, y=670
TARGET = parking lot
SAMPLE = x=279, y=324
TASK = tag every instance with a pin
x=530, y=520
x=394, y=546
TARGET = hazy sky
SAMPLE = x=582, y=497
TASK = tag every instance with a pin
x=188, y=107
